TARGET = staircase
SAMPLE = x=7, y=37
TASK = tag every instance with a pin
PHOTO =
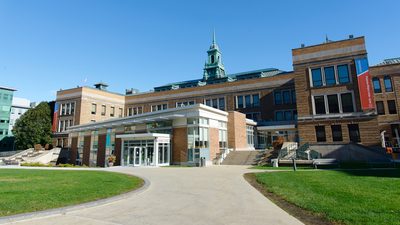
x=32, y=156
x=242, y=158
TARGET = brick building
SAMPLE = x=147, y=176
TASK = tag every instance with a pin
x=320, y=101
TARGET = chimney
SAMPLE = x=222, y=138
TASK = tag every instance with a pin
x=303, y=45
x=351, y=36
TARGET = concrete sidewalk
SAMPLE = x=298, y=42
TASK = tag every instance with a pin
x=212, y=195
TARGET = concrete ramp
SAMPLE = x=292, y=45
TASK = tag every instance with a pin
x=241, y=158
x=351, y=152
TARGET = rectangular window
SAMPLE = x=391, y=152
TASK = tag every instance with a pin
x=380, y=109
x=330, y=75
x=288, y=115
x=286, y=97
x=208, y=102
x=377, y=85
x=320, y=133
x=343, y=74
x=337, y=133
x=73, y=108
x=94, y=108
x=347, y=102
x=130, y=111
x=215, y=103
x=256, y=100
x=392, y=107
x=354, y=133
x=333, y=104
x=159, y=107
x=103, y=110
x=112, y=111
x=279, y=116
x=62, y=109
x=221, y=103
x=239, y=101
x=293, y=97
x=277, y=98
x=67, y=112
x=247, y=101
x=316, y=77
x=388, y=84
x=319, y=102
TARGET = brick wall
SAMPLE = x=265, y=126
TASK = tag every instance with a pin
x=179, y=145
x=101, y=151
x=214, y=142
x=237, y=131
x=86, y=150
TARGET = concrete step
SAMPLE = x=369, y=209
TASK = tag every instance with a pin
x=241, y=158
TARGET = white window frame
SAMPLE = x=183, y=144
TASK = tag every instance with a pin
x=184, y=103
x=156, y=107
x=244, y=100
x=327, y=105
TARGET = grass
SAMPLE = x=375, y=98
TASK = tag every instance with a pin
x=269, y=167
x=24, y=190
x=348, y=197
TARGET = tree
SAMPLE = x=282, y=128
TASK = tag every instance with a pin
x=33, y=127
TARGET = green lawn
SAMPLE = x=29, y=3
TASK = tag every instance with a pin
x=23, y=190
x=349, y=197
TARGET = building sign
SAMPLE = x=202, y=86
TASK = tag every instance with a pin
x=55, y=117
x=364, y=84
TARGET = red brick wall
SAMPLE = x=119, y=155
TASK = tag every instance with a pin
x=86, y=150
x=237, y=130
x=74, y=150
x=214, y=143
x=101, y=151
x=179, y=145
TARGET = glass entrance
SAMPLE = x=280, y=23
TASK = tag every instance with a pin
x=146, y=152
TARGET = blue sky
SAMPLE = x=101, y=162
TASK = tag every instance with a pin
x=48, y=45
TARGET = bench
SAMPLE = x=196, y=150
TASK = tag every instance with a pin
x=319, y=162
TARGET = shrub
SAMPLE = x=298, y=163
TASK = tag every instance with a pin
x=35, y=164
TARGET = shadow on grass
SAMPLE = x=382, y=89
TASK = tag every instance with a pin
x=387, y=173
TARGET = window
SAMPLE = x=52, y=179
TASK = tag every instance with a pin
x=320, y=133
x=388, y=84
x=112, y=113
x=279, y=115
x=250, y=135
x=380, y=109
x=286, y=97
x=333, y=104
x=293, y=97
x=319, y=102
x=343, y=74
x=330, y=75
x=183, y=104
x=316, y=77
x=135, y=111
x=347, y=102
x=103, y=110
x=377, y=85
x=256, y=100
x=159, y=107
x=354, y=133
x=256, y=116
x=94, y=108
x=67, y=110
x=288, y=115
x=72, y=108
x=392, y=107
x=62, y=111
x=239, y=100
x=120, y=112
x=247, y=101
x=337, y=133
x=277, y=98
x=221, y=103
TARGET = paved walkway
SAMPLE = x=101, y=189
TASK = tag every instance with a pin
x=212, y=195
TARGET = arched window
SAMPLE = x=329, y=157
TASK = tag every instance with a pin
x=212, y=59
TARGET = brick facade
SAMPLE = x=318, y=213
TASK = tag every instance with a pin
x=179, y=145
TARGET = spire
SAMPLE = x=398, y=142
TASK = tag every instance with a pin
x=214, y=42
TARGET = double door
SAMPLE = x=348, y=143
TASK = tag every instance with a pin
x=141, y=156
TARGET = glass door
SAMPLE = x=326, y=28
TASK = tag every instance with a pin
x=131, y=155
x=137, y=156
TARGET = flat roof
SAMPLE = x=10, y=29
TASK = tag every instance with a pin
x=7, y=88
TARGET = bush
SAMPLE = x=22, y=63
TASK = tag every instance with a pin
x=65, y=165
x=36, y=164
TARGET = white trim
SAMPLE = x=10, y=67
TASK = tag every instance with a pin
x=277, y=127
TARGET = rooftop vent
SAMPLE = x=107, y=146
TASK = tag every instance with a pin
x=303, y=45
x=101, y=86
x=131, y=91
x=351, y=36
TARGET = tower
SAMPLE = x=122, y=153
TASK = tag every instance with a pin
x=213, y=68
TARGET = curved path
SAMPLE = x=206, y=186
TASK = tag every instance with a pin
x=212, y=195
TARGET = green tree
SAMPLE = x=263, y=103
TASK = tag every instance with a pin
x=33, y=127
